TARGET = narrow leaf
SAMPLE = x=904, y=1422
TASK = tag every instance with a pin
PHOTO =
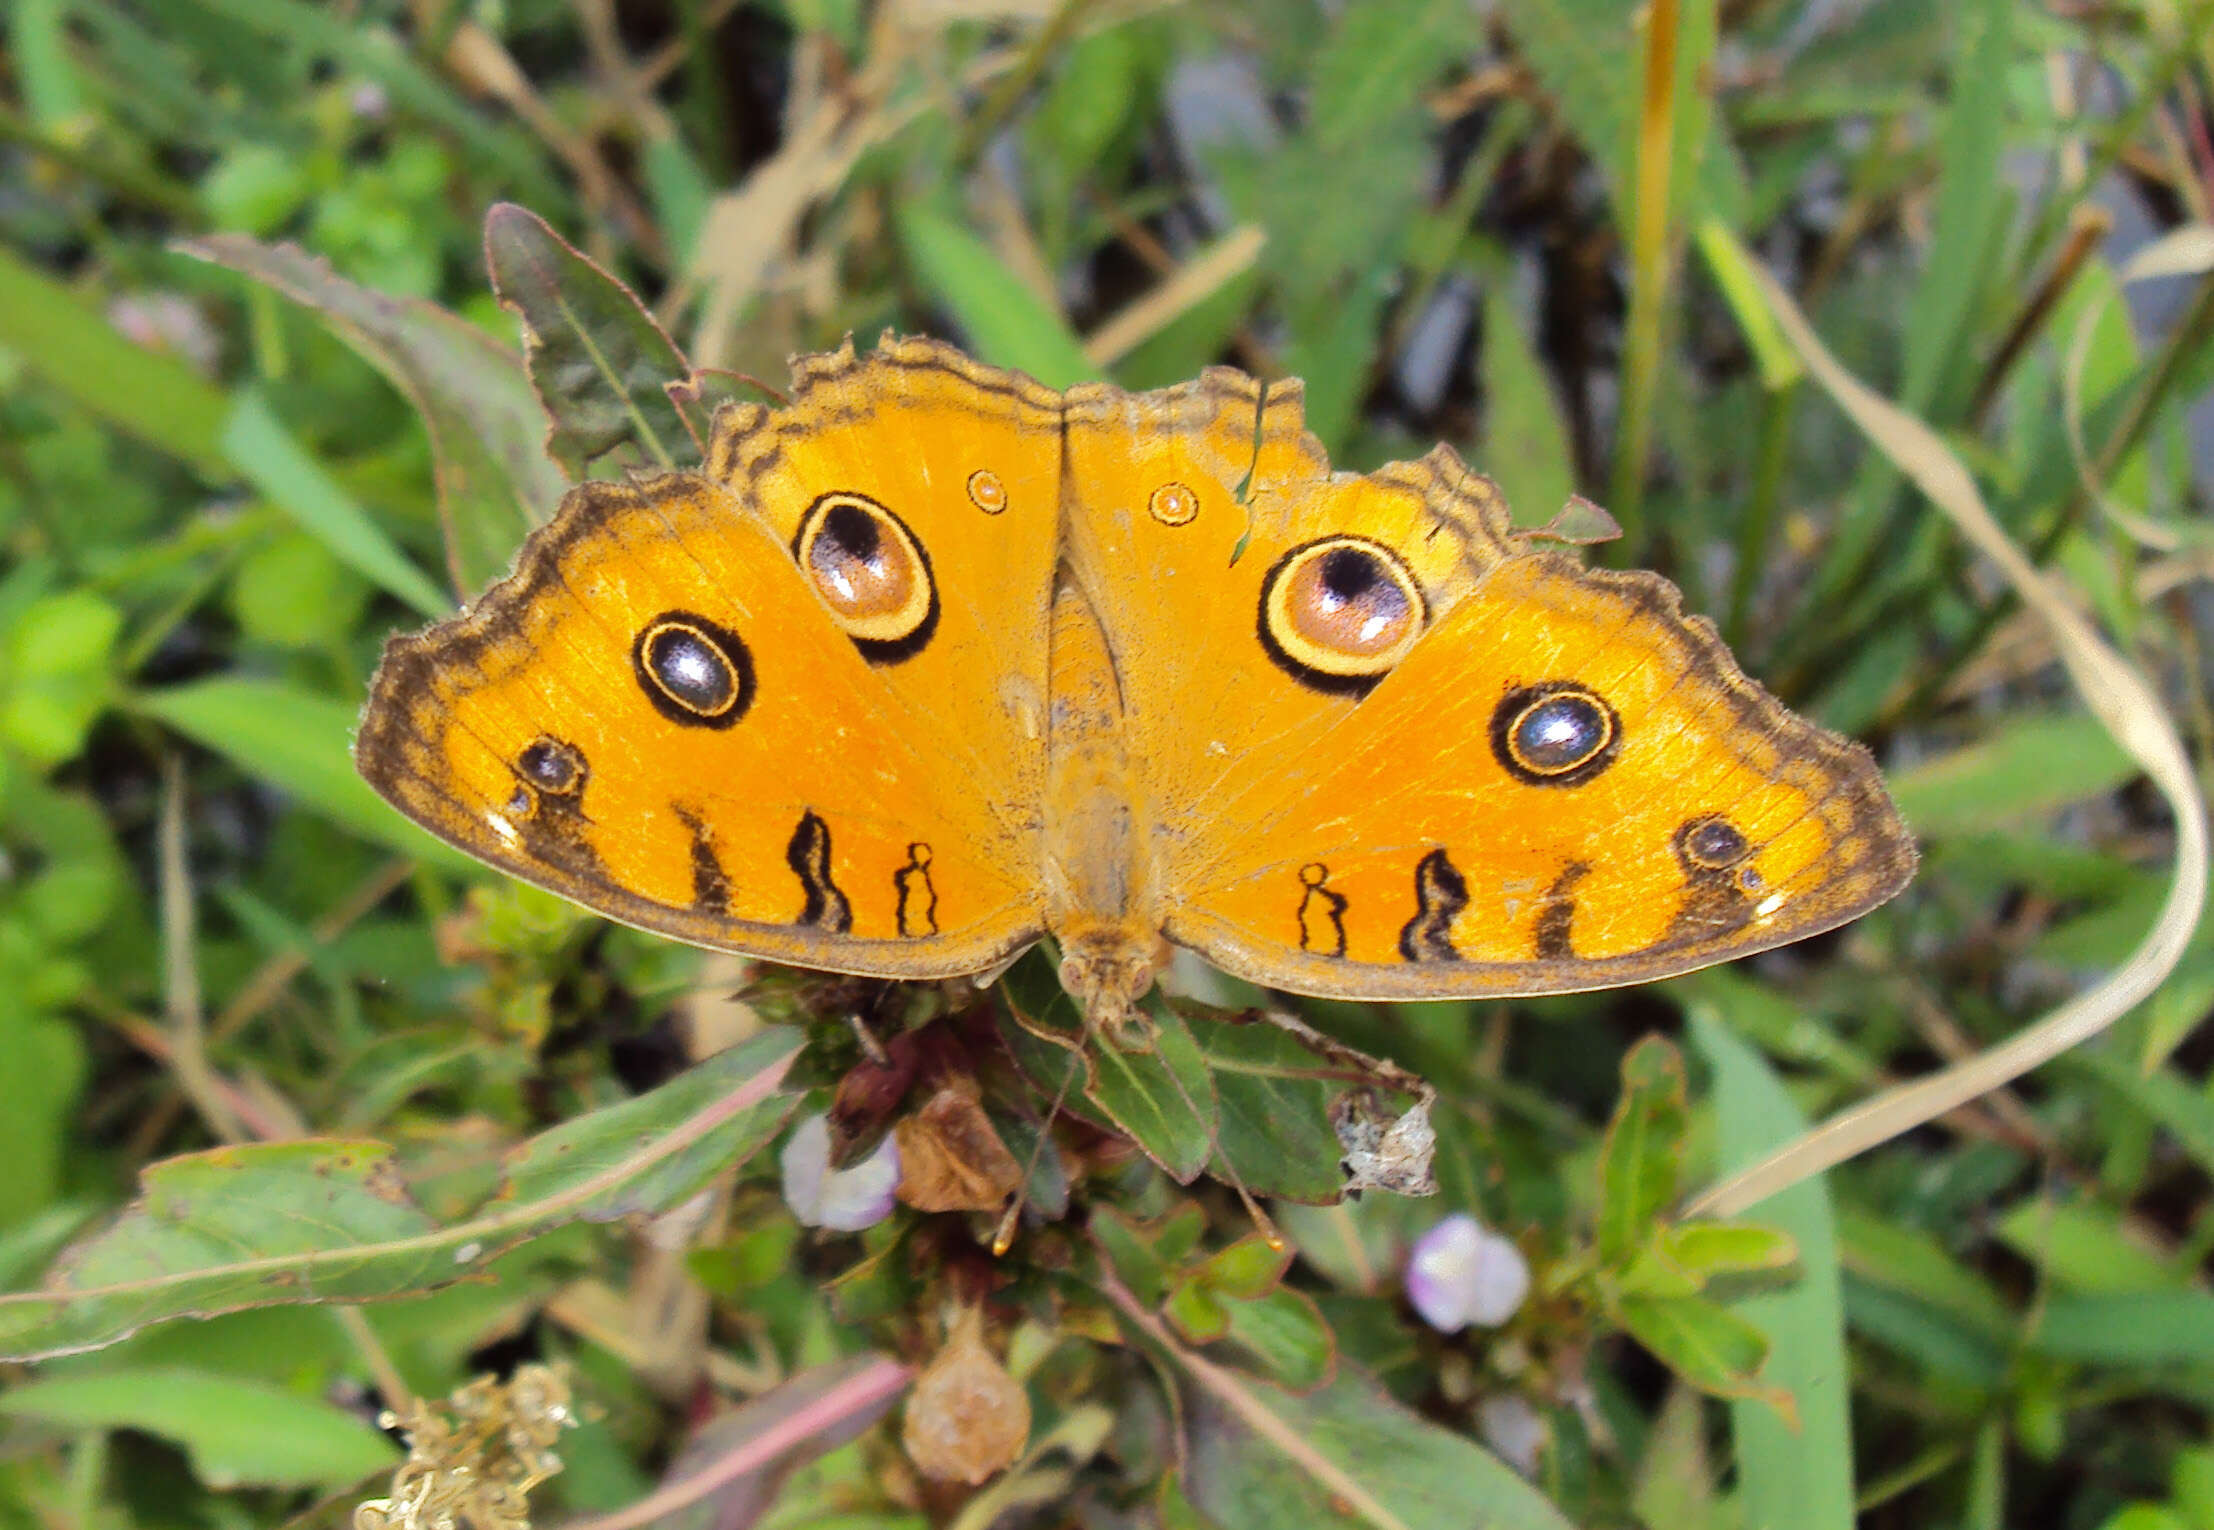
x=495, y=481
x=1786, y=1476
x=1005, y=322
x=267, y=457
x=156, y=398
x=298, y=740
x=1642, y=1156
x=329, y=1220
x=236, y=1431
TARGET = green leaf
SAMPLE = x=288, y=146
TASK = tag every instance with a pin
x=1246, y=1269
x=297, y=740
x=1262, y=1458
x=1731, y=266
x=2025, y=768
x=267, y=456
x=1971, y=200
x=600, y=363
x=487, y=433
x=1525, y=440
x=365, y=48
x=2134, y=1328
x=1162, y=1100
x=1273, y=1103
x=1705, y=1343
x=1005, y=322
x=1708, y=1249
x=2163, y=1094
x=323, y=1220
x=153, y=397
x=2086, y=1246
x=1643, y=1151
x=1878, y=1251
x=38, y=1104
x=1787, y=1476
x=1143, y=1253
x=237, y=1432
x=1285, y=1332
x=63, y=635
x=1198, y=1314
x=1651, y=1273
x=1377, y=56
x=38, y=44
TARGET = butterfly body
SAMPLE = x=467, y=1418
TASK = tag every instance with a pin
x=934, y=661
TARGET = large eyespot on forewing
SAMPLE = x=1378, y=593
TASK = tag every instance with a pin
x=1559, y=733
x=694, y=671
x=871, y=572
x=1340, y=612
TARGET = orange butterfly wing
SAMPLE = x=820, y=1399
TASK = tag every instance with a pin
x=672, y=715
x=1567, y=784
x=1358, y=739
x=1184, y=503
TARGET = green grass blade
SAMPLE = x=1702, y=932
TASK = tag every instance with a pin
x=1803, y=1479
x=267, y=456
x=1006, y=323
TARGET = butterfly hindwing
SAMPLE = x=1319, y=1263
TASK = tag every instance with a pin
x=1566, y=784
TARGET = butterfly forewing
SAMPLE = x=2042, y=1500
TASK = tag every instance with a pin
x=652, y=717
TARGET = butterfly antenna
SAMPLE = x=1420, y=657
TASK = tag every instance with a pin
x=1263, y=1223
x=1004, y=1238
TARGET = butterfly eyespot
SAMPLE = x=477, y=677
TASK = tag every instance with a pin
x=1713, y=843
x=986, y=492
x=1555, y=734
x=871, y=572
x=693, y=671
x=550, y=765
x=1173, y=504
x=1340, y=612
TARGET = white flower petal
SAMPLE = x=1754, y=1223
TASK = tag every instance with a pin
x=1460, y=1272
x=844, y=1200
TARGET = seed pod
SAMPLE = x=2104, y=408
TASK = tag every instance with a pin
x=967, y=1418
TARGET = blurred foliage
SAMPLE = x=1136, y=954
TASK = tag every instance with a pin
x=228, y=471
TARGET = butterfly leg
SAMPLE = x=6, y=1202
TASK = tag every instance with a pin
x=872, y=1045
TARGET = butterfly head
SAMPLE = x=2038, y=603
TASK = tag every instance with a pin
x=1107, y=969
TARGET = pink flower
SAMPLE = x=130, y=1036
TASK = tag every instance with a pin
x=1460, y=1272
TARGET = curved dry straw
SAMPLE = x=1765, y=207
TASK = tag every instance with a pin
x=2187, y=251
x=2121, y=700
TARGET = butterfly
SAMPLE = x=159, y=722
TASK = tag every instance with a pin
x=932, y=661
